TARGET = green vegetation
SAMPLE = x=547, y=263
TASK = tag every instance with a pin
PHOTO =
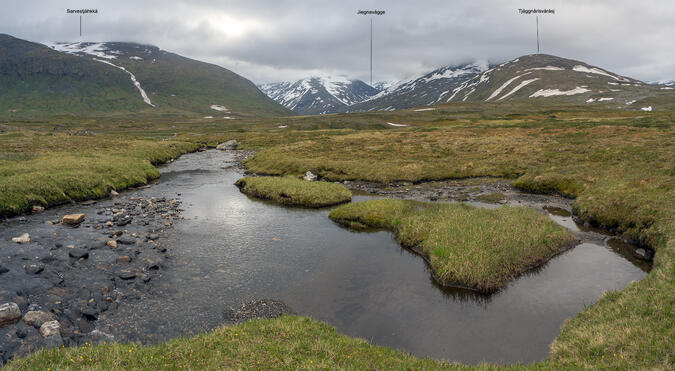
x=281, y=344
x=46, y=169
x=36, y=81
x=292, y=191
x=617, y=164
x=466, y=246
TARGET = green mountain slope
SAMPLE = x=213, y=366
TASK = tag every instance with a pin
x=104, y=78
x=35, y=79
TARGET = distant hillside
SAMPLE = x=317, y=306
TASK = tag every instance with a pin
x=116, y=77
x=547, y=79
x=428, y=89
x=319, y=95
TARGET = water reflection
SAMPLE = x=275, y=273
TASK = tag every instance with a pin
x=231, y=248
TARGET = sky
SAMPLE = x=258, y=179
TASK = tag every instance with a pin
x=286, y=40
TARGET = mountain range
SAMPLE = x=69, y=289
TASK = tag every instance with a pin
x=116, y=77
x=539, y=79
x=424, y=90
x=319, y=95
x=87, y=78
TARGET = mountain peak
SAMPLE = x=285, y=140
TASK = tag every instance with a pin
x=318, y=94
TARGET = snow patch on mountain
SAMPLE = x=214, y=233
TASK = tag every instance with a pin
x=98, y=50
x=584, y=69
x=547, y=68
x=520, y=86
x=553, y=92
x=133, y=79
x=217, y=107
x=504, y=85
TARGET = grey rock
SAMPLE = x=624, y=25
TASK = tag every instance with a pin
x=126, y=240
x=309, y=176
x=50, y=328
x=90, y=313
x=229, y=145
x=126, y=275
x=78, y=253
x=21, y=332
x=34, y=268
x=24, y=238
x=33, y=316
x=9, y=313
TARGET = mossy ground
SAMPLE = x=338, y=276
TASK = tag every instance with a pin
x=44, y=169
x=292, y=191
x=465, y=246
x=617, y=164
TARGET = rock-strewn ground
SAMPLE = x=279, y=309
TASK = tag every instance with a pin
x=72, y=274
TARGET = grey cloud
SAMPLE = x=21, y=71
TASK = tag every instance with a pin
x=285, y=40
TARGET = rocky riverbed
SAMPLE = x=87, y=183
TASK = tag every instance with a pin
x=63, y=276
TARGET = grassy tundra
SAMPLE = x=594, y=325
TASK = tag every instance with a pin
x=466, y=246
x=291, y=191
x=618, y=165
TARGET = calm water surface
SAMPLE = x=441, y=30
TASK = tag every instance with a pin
x=231, y=248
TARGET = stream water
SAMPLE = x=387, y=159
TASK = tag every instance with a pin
x=230, y=249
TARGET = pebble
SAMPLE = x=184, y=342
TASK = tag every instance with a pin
x=24, y=238
x=78, y=253
x=127, y=275
x=124, y=259
x=34, y=268
x=126, y=240
x=72, y=219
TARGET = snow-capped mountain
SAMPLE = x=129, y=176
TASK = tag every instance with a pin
x=318, y=95
x=547, y=79
x=430, y=88
x=383, y=85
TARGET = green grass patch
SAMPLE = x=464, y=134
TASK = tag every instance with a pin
x=65, y=168
x=466, y=246
x=286, y=343
x=292, y=191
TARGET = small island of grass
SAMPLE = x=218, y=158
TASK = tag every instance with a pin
x=466, y=246
x=291, y=191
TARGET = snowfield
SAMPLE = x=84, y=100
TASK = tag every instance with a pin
x=553, y=92
x=504, y=85
x=220, y=108
x=597, y=71
x=520, y=86
x=98, y=50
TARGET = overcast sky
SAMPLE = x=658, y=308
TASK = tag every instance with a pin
x=281, y=40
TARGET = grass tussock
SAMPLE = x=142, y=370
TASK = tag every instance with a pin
x=65, y=168
x=466, y=246
x=292, y=191
x=281, y=344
